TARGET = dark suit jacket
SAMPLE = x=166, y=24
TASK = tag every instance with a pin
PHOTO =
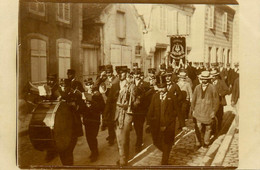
x=110, y=107
x=170, y=112
x=235, y=91
x=222, y=91
x=175, y=90
x=141, y=90
x=92, y=113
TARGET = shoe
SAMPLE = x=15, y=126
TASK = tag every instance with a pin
x=94, y=158
x=50, y=156
x=205, y=146
x=111, y=142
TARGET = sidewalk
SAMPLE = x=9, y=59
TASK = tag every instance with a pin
x=184, y=152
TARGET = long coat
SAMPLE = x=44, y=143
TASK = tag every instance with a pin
x=170, y=110
x=110, y=114
x=222, y=91
x=175, y=90
x=203, y=108
x=235, y=91
x=141, y=90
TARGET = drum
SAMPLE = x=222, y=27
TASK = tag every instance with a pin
x=51, y=126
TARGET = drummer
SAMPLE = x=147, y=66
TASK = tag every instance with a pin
x=94, y=106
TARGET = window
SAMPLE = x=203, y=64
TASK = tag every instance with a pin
x=211, y=17
x=224, y=22
x=63, y=12
x=37, y=8
x=172, y=22
x=64, y=54
x=188, y=20
x=120, y=24
x=38, y=60
x=90, y=63
x=138, y=49
x=182, y=23
x=163, y=18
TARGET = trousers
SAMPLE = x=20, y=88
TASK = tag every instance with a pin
x=123, y=137
x=66, y=156
x=203, y=132
x=91, y=130
x=138, y=120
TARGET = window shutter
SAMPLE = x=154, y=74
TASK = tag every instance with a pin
x=41, y=7
x=174, y=23
x=67, y=12
x=224, y=20
x=211, y=17
x=60, y=10
x=188, y=23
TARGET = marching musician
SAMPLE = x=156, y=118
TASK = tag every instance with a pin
x=116, y=112
x=161, y=118
x=140, y=110
x=68, y=95
x=94, y=106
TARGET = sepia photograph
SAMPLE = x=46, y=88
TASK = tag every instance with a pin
x=127, y=85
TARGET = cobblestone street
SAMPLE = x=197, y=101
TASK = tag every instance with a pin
x=231, y=158
x=184, y=152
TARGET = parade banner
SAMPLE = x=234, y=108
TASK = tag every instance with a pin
x=178, y=50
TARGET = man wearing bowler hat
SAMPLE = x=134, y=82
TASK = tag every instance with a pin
x=93, y=108
x=204, y=106
x=161, y=118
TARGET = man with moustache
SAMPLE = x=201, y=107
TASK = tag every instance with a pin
x=204, y=106
x=117, y=112
x=161, y=118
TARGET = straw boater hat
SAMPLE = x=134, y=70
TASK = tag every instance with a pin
x=182, y=75
x=214, y=73
x=205, y=75
x=236, y=64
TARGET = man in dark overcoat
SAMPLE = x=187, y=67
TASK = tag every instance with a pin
x=94, y=106
x=141, y=109
x=222, y=91
x=161, y=118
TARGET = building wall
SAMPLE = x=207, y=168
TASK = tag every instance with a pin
x=197, y=34
x=134, y=35
x=235, y=43
x=50, y=29
x=157, y=41
x=215, y=37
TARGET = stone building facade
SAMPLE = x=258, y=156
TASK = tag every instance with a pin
x=49, y=41
x=112, y=34
x=212, y=26
x=162, y=21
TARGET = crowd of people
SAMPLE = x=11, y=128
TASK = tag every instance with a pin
x=155, y=104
